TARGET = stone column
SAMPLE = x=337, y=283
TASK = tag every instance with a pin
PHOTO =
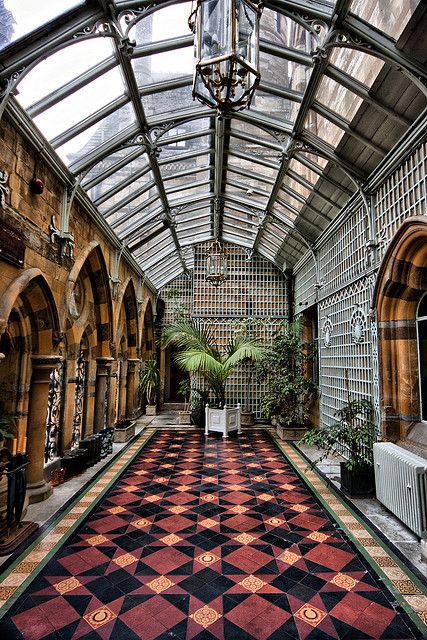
x=103, y=366
x=131, y=386
x=42, y=367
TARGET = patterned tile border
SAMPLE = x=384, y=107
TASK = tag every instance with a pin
x=410, y=593
x=32, y=560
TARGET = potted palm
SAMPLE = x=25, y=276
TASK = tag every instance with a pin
x=149, y=383
x=283, y=369
x=184, y=391
x=354, y=433
x=198, y=351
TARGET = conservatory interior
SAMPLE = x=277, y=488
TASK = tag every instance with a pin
x=213, y=319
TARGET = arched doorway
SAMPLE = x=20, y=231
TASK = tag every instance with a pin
x=398, y=301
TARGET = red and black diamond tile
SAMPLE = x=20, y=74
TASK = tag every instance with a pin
x=206, y=539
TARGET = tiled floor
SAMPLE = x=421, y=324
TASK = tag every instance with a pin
x=210, y=539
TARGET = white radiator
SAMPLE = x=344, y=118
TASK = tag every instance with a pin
x=401, y=485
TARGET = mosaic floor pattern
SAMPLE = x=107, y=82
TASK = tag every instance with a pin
x=201, y=539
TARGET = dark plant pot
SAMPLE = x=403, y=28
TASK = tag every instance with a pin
x=358, y=483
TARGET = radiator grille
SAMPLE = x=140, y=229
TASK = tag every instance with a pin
x=401, y=485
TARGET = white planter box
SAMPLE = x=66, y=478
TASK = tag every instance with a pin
x=223, y=421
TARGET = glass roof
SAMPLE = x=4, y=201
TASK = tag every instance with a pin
x=108, y=83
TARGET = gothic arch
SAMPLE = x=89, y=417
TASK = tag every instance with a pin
x=401, y=282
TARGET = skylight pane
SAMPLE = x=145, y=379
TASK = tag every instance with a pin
x=391, y=16
x=171, y=168
x=23, y=16
x=96, y=135
x=357, y=64
x=171, y=22
x=81, y=104
x=133, y=166
x=163, y=66
x=322, y=128
x=133, y=189
x=282, y=109
x=282, y=30
x=168, y=101
x=251, y=165
x=338, y=98
x=62, y=67
x=290, y=74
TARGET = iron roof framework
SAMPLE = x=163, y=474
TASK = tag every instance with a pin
x=337, y=94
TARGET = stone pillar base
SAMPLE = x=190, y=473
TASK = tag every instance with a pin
x=38, y=492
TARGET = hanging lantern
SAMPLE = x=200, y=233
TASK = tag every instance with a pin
x=216, y=264
x=226, y=38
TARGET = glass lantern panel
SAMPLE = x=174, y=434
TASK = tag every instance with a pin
x=215, y=32
x=247, y=32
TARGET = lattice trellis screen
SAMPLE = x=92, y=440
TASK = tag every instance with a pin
x=403, y=195
x=252, y=299
x=343, y=256
x=305, y=280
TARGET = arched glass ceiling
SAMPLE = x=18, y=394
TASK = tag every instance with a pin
x=108, y=84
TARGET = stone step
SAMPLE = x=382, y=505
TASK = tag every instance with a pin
x=173, y=406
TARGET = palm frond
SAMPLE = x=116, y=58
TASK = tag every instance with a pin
x=195, y=360
x=190, y=335
x=243, y=348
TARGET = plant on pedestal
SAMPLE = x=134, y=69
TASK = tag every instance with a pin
x=149, y=382
x=283, y=369
x=354, y=433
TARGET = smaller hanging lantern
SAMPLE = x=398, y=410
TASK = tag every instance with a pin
x=226, y=39
x=216, y=264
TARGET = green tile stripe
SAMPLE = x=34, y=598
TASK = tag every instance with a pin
x=147, y=434
x=399, y=596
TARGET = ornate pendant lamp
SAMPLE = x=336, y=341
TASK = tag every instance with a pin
x=216, y=264
x=226, y=36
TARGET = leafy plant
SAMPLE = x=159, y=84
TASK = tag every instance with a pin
x=7, y=427
x=184, y=391
x=354, y=430
x=283, y=369
x=198, y=351
x=198, y=404
x=150, y=380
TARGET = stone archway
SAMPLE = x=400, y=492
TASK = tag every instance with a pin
x=401, y=282
x=30, y=336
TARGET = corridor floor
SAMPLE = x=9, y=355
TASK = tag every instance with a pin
x=184, y=537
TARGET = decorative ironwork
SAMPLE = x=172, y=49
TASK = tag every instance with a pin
x=327, y=332
x=358, y=326
x=216, y=264
x=53, y=413
x=4, y=189
x=79, y=400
